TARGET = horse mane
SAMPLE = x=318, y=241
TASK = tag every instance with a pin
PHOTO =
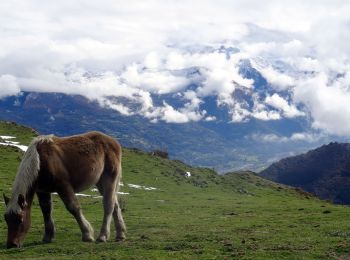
x=27, y=172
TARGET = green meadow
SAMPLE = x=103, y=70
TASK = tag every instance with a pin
x=204, y=216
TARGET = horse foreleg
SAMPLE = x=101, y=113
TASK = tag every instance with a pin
x=73, y=206
x=107, y=190
x=119, y=221
x=46, y=208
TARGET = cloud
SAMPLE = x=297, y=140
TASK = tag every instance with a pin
x=112, y=51
x=8, y=86
x=169, y=114
x=279, y=103
x=278, y=80
x=295, y=137
x=154, y=81
x=266, y=115
x=304, y=137
x=268, y=138
x=328, y=102
x=210, y=118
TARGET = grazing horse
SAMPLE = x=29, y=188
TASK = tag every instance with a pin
x=66, y=165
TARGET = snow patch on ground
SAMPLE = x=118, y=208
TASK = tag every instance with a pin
x=135, y=186
x=149, y=188
x=92, y=196
x=16, y=143
x=119, y=192
x=82, y=195
x=22, y=147
x=11, y=143
x=140, y=187
x=6, y=137
x=123, y=193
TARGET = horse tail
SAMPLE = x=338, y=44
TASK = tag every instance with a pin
x=119, y=169
x=29, y=167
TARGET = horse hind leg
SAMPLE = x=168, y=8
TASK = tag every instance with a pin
x=46, y=208
x=73, y=206
x=119, y=221
x=106, y=187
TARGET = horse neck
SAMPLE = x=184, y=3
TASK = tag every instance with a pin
x=27, y=175
x=25, y=190
x=28, y=208
x=28, y=194
x=29, y=200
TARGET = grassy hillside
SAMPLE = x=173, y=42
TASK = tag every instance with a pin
x=205, y=216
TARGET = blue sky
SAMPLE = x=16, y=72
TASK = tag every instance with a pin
x=137, y=49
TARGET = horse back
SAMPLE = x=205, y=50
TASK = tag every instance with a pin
x=77, y=160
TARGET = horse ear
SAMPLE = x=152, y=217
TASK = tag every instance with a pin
x=21, y=201
x=6, y=199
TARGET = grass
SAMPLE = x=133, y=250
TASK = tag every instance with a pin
x=23, y=134
x=206, y=216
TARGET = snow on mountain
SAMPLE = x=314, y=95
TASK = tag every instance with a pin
x=209, y=106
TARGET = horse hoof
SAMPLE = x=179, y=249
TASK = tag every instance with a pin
x=47, y=240
x=88, y=239
x=120, y=239
x=101, y=239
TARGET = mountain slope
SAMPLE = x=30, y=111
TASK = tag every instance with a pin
x=204, y=216
x=218, y=144
x=324, y=171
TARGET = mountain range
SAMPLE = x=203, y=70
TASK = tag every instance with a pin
x=222, y=143
x=324, y=171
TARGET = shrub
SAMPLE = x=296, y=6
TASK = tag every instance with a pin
x=160, y=153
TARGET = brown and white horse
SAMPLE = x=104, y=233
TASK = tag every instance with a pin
x=66, y=166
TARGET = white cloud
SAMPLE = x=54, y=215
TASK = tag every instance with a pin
x=124, y=110
x=169, y=114
x=279, y=80
x=268, y=138
x=159, y=82
x=279, y=103
x=239, y=113
x=304, y=137
x=295, y=137
x=307, y=64
x=328, y=102
x=136, y=49
x=210, y=118
x=266, y=115
x=175, y=61
x=8, y=86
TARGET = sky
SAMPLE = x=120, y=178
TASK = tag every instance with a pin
x=139, y=49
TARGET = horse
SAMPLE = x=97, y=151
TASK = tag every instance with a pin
x=66, y=165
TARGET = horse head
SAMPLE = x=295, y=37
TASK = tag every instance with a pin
x=18, y=221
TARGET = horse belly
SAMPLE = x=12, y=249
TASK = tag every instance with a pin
x=86, y=176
